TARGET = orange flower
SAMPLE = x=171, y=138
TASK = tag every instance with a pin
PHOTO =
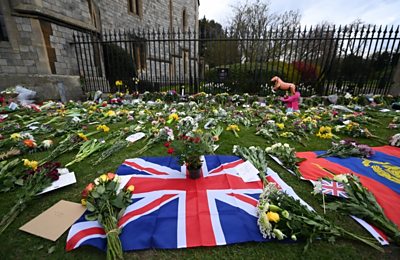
x=30, y=143
x=110, y=176
x=89, y=187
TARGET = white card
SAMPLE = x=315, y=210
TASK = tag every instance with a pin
x=248, y=172
x=64, y=180
x=134, y=137
x=13, y=106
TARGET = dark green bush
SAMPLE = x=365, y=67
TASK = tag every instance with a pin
x=248, y=77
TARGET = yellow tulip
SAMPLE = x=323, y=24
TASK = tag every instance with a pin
x=83, y=202
x=131, y=188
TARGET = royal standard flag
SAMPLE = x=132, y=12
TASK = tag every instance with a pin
x=379, y=173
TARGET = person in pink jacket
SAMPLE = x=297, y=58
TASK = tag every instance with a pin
x=292, y=101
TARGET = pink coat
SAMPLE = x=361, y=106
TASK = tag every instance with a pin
x=292, y=101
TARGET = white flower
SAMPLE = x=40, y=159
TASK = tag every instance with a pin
x=27, y=136
x=47, y=143
x=268, y=149
x=317, y=187
x=286, y=145
x=234, y=148
x=75, y=120
x=341, y=178
x=97, y=181
x=348, y=96
x=279, y=235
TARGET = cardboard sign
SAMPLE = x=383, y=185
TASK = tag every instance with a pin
x=53, y=222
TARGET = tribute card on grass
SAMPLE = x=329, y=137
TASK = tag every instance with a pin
x=53, y=222
x=66, y=178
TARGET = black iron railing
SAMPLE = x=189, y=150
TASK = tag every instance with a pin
x=319, y=60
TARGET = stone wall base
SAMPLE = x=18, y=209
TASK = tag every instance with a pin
x=54, y=87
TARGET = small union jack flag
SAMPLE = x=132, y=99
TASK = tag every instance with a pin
x=333, y=188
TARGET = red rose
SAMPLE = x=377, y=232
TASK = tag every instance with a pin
x=170, y=150
x=84, y=193
x=167, y=144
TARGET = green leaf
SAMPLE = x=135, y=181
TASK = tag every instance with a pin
x=95, y=194
x=90, y=206
x=100, y=189
x=51, y=249
x=91, y=217
x=19, y=182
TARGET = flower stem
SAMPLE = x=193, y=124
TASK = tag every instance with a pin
x=12, y=215
x=364, y=240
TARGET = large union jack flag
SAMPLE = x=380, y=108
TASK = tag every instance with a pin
x=169, y=210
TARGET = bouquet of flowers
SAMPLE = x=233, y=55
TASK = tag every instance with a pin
x=348, y=148
x=36, y=179
x=234, y=128
x=325, y=132
x=362, y=204
x=281, y=216
x=286, y=154
x=106, y=204
x=395, y=140
x=256, y=156
x=188, y=149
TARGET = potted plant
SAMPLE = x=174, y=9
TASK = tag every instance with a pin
x=189, y=150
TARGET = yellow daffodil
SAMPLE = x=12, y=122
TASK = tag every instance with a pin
x=118, y=83
x=110, y=113
x=325, y=132
x=172, y=117
x=15, y=136
x=234, y=129
x=30, y=164
x=103, y=128
x=273, y=216
x=82, y=136
x=83, y=202
x=280, y=126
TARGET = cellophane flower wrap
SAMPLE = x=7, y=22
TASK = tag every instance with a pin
x=280, y=216
x=106, y=203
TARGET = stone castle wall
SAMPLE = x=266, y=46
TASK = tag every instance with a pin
x=40, y=33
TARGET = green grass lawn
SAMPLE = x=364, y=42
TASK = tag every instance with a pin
x=16, y=244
